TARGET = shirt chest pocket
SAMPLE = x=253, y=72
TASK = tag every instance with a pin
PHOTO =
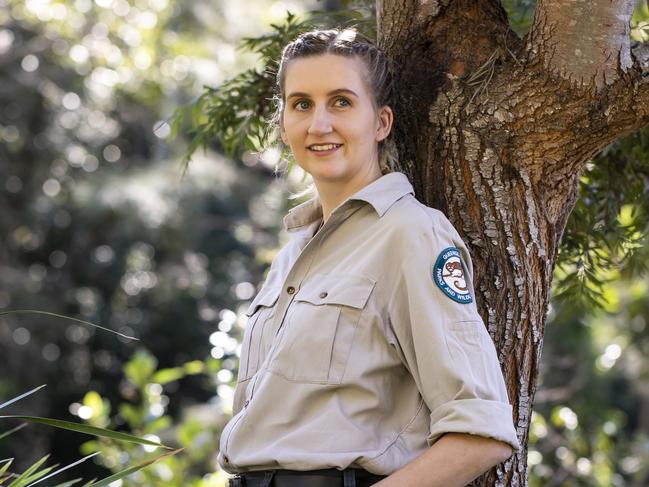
x=316, y=338
x=258, y=334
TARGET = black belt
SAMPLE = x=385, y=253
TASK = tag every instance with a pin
x=329, y=477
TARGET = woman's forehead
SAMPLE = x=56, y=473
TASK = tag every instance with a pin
x=324, y=73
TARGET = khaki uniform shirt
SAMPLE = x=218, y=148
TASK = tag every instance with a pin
x=364, y=344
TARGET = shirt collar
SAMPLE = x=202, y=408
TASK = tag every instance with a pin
x=381, y=194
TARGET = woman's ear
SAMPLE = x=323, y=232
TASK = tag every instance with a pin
x=385, y=123
x=282, y=132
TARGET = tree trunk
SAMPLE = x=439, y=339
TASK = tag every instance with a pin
x=495, y=130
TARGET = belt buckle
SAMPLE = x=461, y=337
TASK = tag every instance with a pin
x=236, y=481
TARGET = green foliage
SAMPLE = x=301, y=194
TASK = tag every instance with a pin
x=33, y=473
x=589, y=427
x=640, y=22
x=141, y=412
x=132, y=470
x=140, y=367
x=240, y=114
x=36, y=473
x=520, y=14
x=95, y=223
x=80, y=428
x=42, y=475
x=606, y=236
x=11, y=431
x=4, y=466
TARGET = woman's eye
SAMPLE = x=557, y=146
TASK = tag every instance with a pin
x=304, y=104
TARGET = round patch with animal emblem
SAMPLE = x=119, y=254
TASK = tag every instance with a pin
x=448, y=274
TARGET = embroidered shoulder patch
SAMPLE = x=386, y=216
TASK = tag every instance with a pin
x=448, y=274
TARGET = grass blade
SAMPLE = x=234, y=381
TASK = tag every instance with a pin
x=84, y=428
x=133, y=469
x=56, y=472
x=3, y=475
x=11, y=431
x=23, y=480
x=22, y=396
x=48, y=313
x=4, y=468
x=28, y=474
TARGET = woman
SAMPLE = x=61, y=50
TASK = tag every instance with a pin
x=365, y=361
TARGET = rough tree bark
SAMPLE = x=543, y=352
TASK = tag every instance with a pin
x=495, y=130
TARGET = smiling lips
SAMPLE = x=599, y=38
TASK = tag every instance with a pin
x=324, y=149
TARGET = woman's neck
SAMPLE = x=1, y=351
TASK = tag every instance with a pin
x=333, y=193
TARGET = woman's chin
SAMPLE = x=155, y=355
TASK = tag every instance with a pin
x=328, y=176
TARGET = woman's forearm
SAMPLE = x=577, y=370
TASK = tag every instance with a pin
x=453, y=461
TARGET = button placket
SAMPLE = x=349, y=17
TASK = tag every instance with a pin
x=303, y=261
x=283, y=305
x=297, y=273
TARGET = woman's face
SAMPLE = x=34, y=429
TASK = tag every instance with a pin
x=329, y=120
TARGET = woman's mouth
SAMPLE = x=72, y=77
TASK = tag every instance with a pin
x=324, y=149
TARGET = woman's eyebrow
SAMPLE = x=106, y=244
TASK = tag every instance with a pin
x=333, y=92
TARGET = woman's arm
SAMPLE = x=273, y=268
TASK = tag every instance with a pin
x=453, y=460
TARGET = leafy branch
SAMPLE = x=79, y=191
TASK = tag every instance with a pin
x=239, y=114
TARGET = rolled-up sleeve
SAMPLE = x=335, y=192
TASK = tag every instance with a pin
x=442, y=338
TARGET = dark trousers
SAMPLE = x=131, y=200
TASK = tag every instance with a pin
x=330, y=477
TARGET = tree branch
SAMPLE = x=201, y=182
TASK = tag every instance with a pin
x=395, y=20
x=584, y=41
x=626, y=104
x=460, y=39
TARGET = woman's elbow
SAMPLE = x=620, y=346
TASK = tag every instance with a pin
x=500, y=451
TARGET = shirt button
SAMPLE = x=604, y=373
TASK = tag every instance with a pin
x=290, y=289
x=226, y=459
x=323, y=294
x=247, y=402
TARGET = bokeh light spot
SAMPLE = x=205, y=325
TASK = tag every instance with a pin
x=21, y=336
x=29, y=63
x=112, y=153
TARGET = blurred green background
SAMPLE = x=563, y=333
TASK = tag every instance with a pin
x=98, y=222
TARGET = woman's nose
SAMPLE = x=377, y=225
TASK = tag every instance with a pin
x=320, y=122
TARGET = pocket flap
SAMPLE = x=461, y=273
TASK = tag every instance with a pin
x=336, y=289
x=267, y=296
